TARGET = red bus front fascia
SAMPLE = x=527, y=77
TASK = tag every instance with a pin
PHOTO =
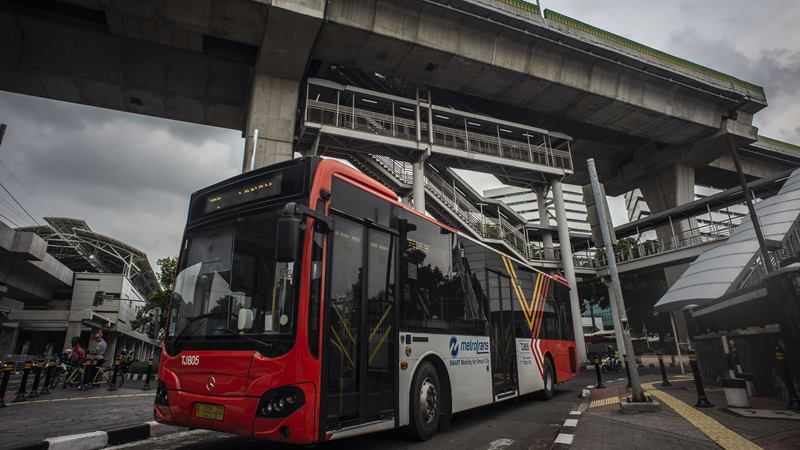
x=298, y=367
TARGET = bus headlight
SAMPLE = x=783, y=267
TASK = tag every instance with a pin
x=281, y=402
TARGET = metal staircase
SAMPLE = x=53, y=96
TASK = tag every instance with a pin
x=446, y=201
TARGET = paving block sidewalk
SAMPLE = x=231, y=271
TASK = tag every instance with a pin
x=67, y=411
x=679, y=426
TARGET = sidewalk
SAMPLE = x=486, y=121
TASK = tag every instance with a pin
x=67, y=411
x=679, y=425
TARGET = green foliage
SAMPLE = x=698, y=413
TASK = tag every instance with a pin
x=156, y=306
x=493, y=231
x=140, y=367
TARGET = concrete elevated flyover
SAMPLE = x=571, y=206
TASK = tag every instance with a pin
x=240, y=64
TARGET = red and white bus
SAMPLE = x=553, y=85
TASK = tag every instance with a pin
x=311, y=305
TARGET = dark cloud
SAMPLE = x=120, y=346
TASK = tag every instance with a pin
x=128, y=175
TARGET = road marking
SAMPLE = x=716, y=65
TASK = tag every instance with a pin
x=571, y=423
x=720, y=434
x=564, y=438
x=575, y=413
x=70, y=399
x=499, y=443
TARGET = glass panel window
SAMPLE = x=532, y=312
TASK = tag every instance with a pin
x=345, y=321
x=229, y=269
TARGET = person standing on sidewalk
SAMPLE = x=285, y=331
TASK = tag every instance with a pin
x=99, y=353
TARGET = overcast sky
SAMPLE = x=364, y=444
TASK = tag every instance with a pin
x=130, y=176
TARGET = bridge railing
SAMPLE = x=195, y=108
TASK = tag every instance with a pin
x=395, y=117
x=629, y=250
x=790, y=248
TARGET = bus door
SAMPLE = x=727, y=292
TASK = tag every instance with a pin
x=503, y=343
x=361, y=346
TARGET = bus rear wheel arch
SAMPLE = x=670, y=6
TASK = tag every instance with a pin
x=549, y=379
x=430, y=399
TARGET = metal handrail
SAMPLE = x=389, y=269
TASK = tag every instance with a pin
x=348, y=117
x=688, y=238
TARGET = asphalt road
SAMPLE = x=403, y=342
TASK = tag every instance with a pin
x=525, y=423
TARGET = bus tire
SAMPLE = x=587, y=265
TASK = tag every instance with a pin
x=549, y=381
x=425, y=402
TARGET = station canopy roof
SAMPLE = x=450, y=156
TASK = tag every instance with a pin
x=722, y=270
x=72, y=242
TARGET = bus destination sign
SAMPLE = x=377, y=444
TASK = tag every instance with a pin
x=263, y=188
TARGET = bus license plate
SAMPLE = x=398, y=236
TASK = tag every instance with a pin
x=208, y=411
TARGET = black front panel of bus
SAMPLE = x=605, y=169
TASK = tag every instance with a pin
x=286, y=181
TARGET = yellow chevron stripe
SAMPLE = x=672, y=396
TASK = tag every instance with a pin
x=535, y=302
x=526, y=309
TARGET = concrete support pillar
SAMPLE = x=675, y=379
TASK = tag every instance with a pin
x=9, y=333
x=667, y=188
x=569, y=268
x=418, y=188
x=73, y=329
x=111, y=350
x=272, y=110
x=544, y=220
x=289, y=33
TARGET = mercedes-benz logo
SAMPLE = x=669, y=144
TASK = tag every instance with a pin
x=211, y=383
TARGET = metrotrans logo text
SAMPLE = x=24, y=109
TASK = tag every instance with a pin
x=472, y=346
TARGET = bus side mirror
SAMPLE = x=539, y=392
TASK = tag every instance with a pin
x=287, y=236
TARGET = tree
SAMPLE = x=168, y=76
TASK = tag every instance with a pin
x=157, y=303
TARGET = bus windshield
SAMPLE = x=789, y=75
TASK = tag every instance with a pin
x=230, y=293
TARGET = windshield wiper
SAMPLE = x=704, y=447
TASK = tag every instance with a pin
x=265, y=344
x=188, y=327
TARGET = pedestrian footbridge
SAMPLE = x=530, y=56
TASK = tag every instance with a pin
x=339, y=118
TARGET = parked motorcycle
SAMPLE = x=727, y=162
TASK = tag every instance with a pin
x=610, y=363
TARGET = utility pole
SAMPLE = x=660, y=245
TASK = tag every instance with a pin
x=762, y=244
x=637, y=395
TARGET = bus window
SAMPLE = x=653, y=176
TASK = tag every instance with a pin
x=466, y=316
x=426, y=266
x=562, y=297
x=360, y=203
x=314, y=294
x=345, y=321
x=550, y=329
x=526, y=280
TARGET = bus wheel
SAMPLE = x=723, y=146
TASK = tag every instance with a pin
x=549, y=381
x=425, y=403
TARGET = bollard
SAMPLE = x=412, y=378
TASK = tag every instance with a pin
x=596, y=362
x=146, y=386
x=26, y=369
x=627, y=370
x=37, y=374
x=47, y=374
x=702, y=400
x=664, y=380
x=8, y=366
x=794, y=402
x=113, y=386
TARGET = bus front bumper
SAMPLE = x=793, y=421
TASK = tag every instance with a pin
x=239, y=416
